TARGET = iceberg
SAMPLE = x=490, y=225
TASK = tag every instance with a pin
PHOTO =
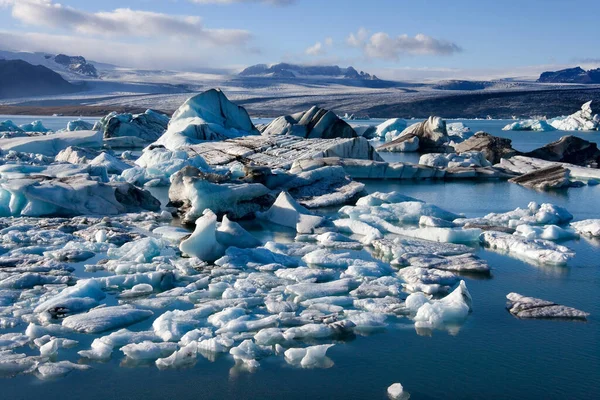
x=582, y=120
x=315, y=123
x=453, y=308
x=203, y=242
x=158, y=164
x=396, y=392
x=79, y=125
x=52, y=144
x=532, y=250
x=390, y=129
x=530, y=125
x=148, y=126
x=35, y=126
x=105, y=318
x=529, y=307
x=309, y=357
x=206, y=116
x=287, y=212
x=588, y=227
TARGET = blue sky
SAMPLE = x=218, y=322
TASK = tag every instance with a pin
x=422, y=39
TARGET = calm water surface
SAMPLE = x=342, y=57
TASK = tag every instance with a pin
x=493, y=356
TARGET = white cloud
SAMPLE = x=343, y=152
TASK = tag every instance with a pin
x=122, y=22
x=148, y=55
x=319, y=48
x=380, y=45
x=315, y=50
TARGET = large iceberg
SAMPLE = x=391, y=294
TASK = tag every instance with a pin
x=582, y=120
x=316, y=123
x=148, y=126
x=529, y=125
x=206, y=116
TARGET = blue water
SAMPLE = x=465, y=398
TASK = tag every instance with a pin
x=493, y=356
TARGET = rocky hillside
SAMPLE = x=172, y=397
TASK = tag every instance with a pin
x=21, y=79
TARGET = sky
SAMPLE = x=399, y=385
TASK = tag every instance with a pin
x=395, y=39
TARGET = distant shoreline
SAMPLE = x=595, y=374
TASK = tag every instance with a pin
x=74, y=110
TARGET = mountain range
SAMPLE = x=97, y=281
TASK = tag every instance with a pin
x=285, y=70
x=571, y=75
x=21, y=79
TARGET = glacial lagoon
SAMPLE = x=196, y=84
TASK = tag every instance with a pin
x=491, y=355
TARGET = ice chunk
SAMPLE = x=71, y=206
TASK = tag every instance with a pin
x=58, y=369
x=530, y=307
x=269, y=337
x=203, y=242
x=396, y=392
x=549, y=232
x=530, y=125
x=249, y=352
x=532, y=250
x=79, y=125
x=106, y=318
x=231, y=233
x=141, y=250
x=184, y=357
x=35, y=126
x=582, y=120
x=390, y=129
x=304, y=291
x=309, y=357
x=148, y=350
x=287, y=212
x=588, y=227
x=51, y=145
x=453, y=308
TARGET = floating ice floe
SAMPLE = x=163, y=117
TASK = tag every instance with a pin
x=396, y=392
x=452, y=309
x=79, y=125
x=530, y=307
x=105, y=318
x=532, y=250
x=35, y=126
x=587, y=227
x=427, y=136
x=582, y=120
x=534, y=214
x=548, y=232
x=370, y=169
x=530, y=125
x=458, y=132
x=524, y=165
x=52, y=144
x=309, y=357
x=453, y=160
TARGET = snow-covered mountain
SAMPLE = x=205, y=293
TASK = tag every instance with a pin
x=19, y=78
x=285, y=70
x=571, y=75
x=70, y=67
